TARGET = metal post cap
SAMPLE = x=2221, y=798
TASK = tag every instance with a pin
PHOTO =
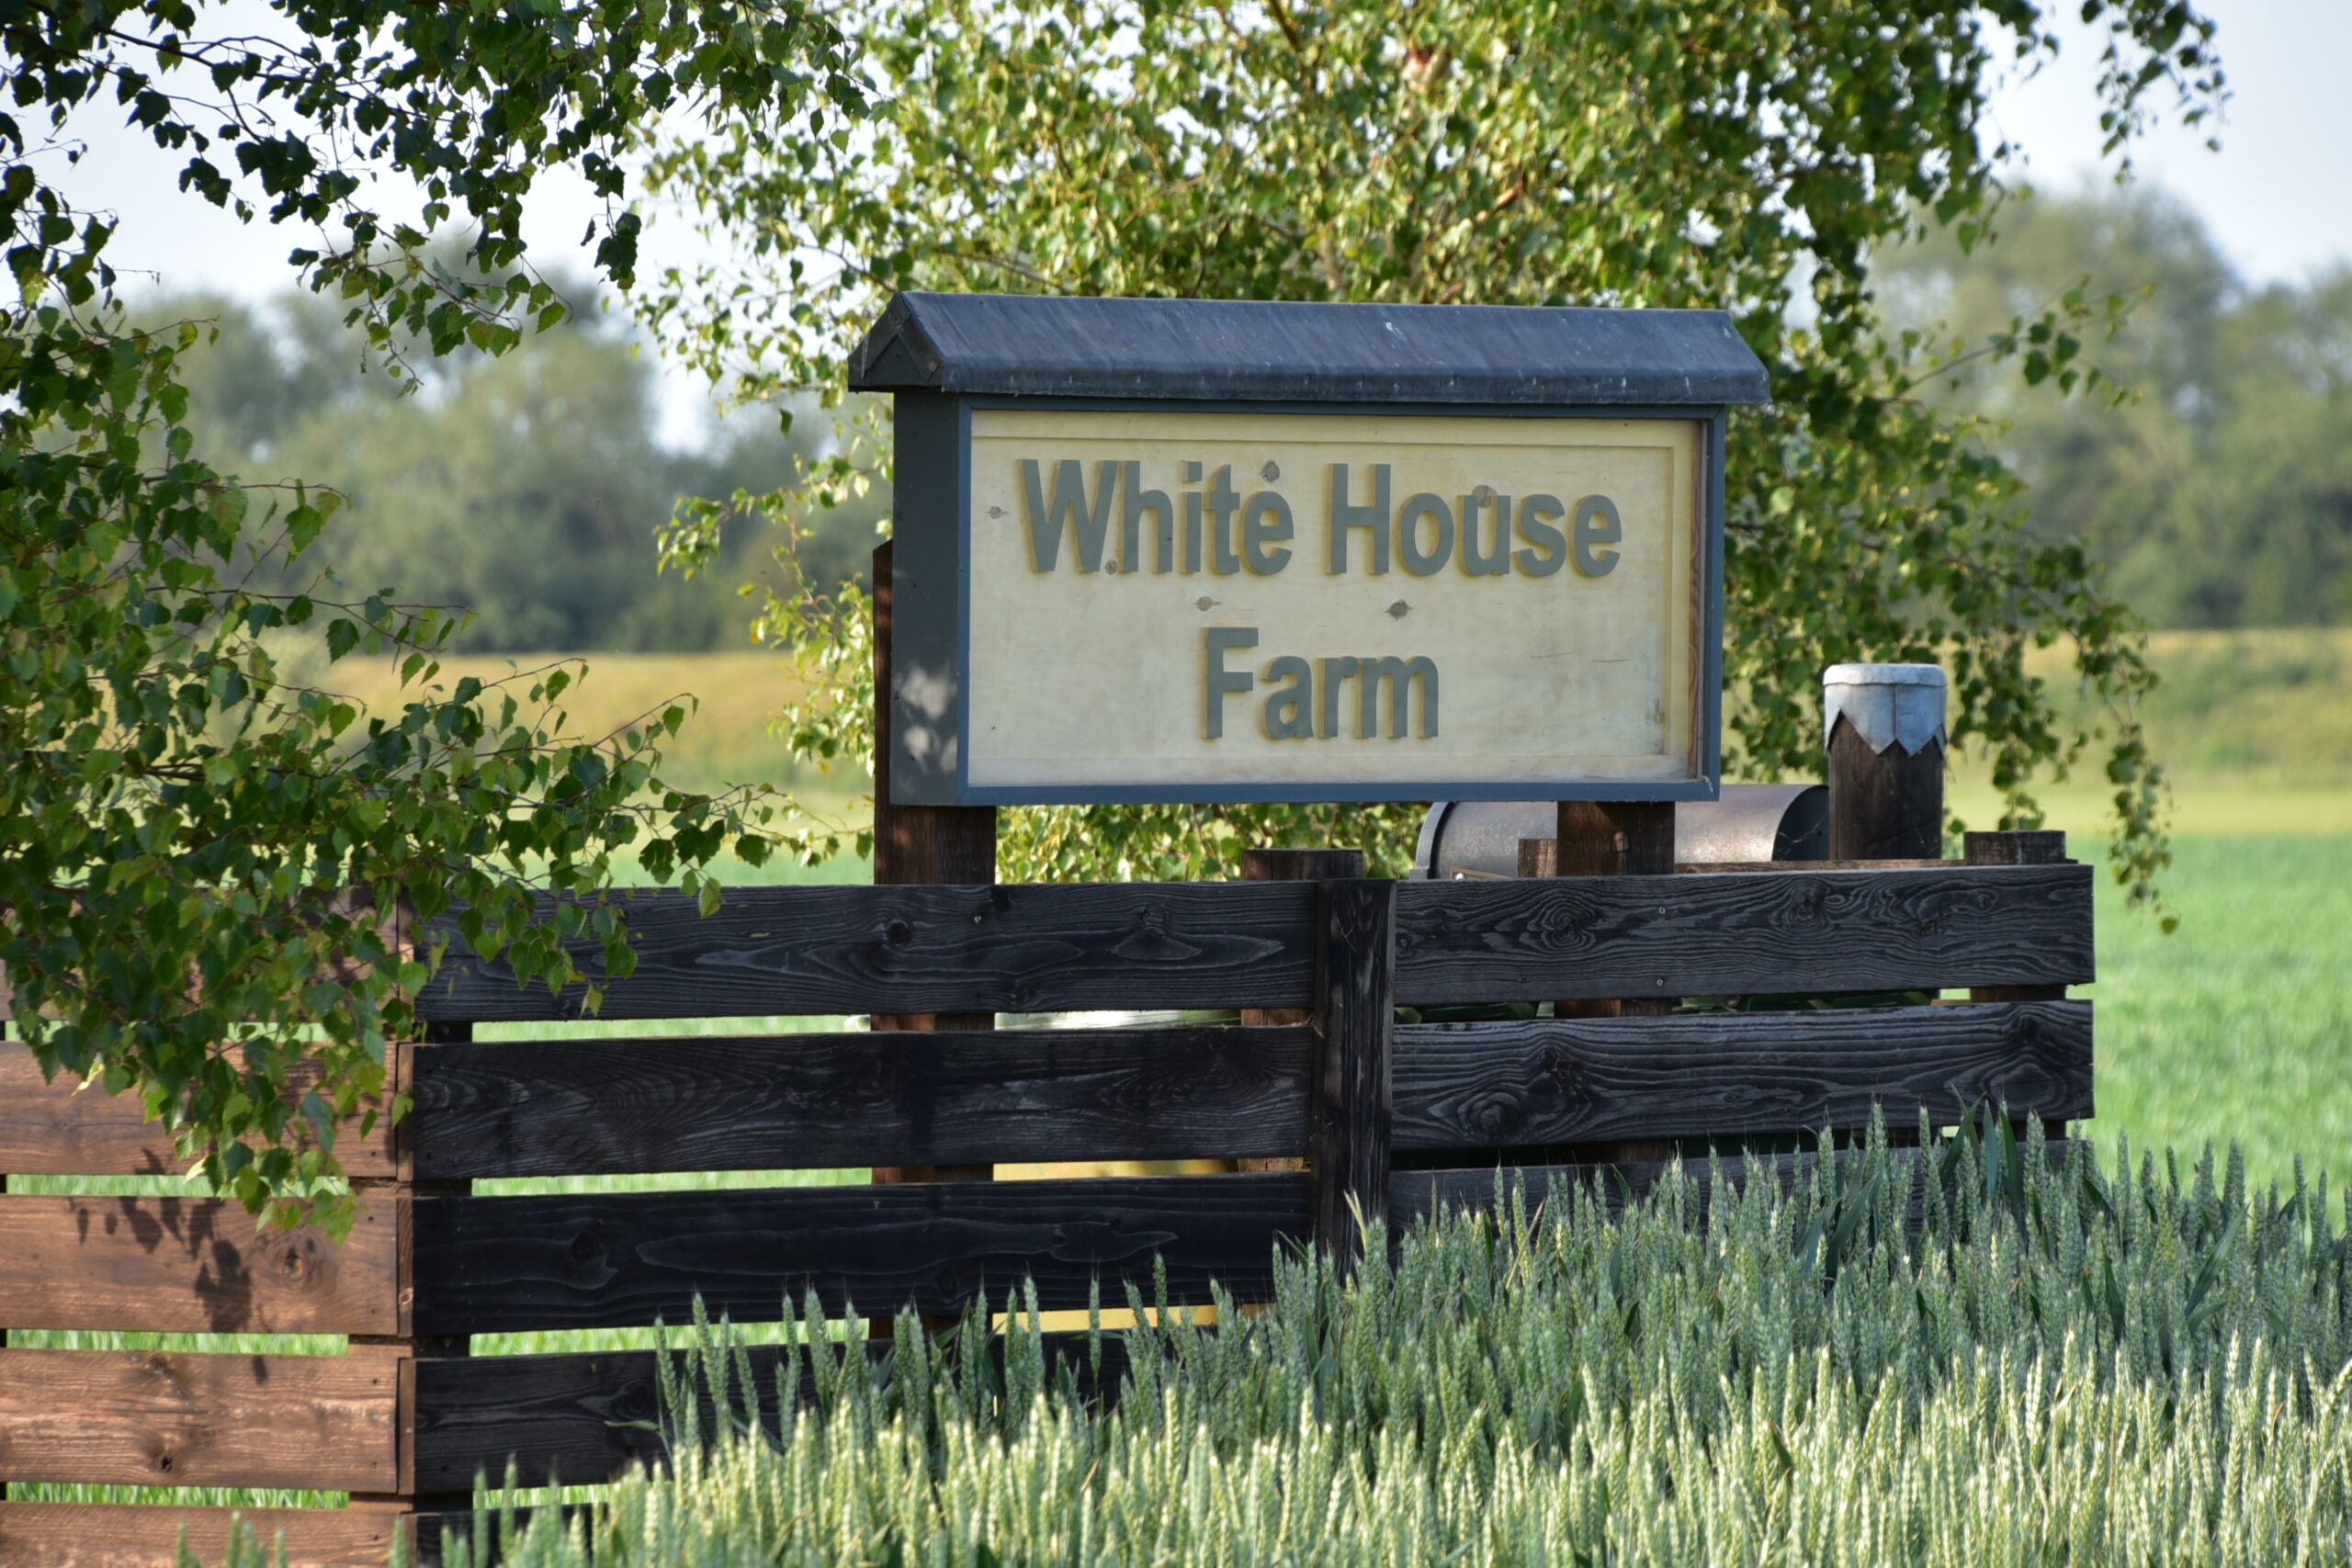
x=1887, y=705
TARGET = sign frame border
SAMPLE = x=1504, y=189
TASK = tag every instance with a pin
x=932, y=603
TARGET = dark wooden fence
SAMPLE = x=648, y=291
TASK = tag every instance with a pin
x=1389, y=1117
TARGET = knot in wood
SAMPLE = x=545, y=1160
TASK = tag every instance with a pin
x=897, y=934
x=635, y=1400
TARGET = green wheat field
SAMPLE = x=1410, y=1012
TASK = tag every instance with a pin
x=2146, y=1372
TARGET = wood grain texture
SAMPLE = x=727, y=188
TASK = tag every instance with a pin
x=581, y=1419
x=153, y=1419
x=1264, y=863
x=1613, y=838
x=62, y=1129
x=1355, y=1014
x=921, y=845
x=1064, y=947
x=1539, y=857
x=1884, y=805
x=562, y=1420
x=191, y=1266
x=1739, y=867
x=1715, y=936
x=491, y=1265
x=110, y=1534
x=2036, y=847
x=822, y=1101
x=1633, y=837
x=1267, y=863
x=1416, y=1196
x=1727, y=1074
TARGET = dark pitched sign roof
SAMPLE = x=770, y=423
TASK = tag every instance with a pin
x=1267, y=351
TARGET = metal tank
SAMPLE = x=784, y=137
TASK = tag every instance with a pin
x=1751, y=822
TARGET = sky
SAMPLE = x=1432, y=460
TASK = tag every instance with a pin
x=2277, y=195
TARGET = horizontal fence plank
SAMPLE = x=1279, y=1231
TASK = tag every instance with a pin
x=1414, y=1196
x=63, y=1128
x=562, y=1420
x=1569, y=937
x=1752, y=867
x=492, y=1265
x=1065, y=947
x=126, y=1535
x=820, y=1101
x=1725, y=1074
x=191, y=1266
x=154, y=1418
x=581, y=1418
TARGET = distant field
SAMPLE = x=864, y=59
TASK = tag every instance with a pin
x=2239, y=1025
x=725, y=740
x=2254, y=728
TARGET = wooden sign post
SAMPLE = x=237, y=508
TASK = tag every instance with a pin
x=1221, y=551
x=922, y=844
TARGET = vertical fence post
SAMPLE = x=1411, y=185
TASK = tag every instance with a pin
x=1263, y=864
x=916, y=845
x=919, y=844
x=2034, y=848
x=1614, y=838
x=1355, y=1015
x=1883, y=727
x=400, y=1194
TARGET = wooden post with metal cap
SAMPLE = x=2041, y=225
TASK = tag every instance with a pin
x=1882, y=726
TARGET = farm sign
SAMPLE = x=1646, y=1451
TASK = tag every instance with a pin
x=1144, y=554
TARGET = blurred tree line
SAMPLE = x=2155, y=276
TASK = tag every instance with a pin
x=527, y=487
x=2221, y=493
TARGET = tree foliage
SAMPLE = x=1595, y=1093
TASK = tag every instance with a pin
x=2222, y=495
x=525, y=487
x=1636, y=152
x=203, y=861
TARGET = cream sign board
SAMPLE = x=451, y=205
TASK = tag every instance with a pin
x=1211, y=600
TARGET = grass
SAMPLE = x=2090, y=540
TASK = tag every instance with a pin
x=2239, y=1025
x=2082, y=1366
